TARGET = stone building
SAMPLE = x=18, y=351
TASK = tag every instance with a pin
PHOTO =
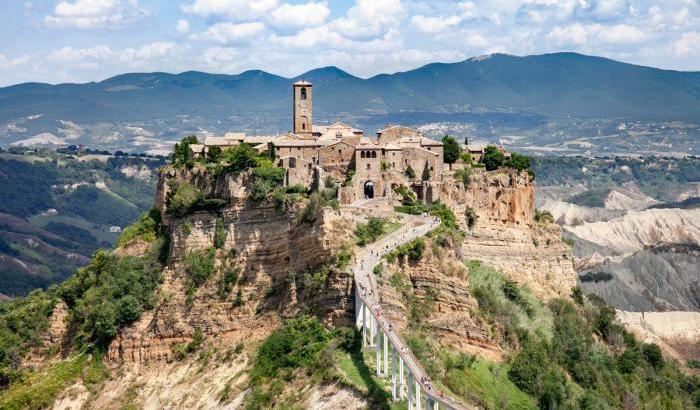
x=368, y=167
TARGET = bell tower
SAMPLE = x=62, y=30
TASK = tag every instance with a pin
x=303, y=108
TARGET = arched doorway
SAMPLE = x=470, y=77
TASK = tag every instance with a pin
x=369, y=190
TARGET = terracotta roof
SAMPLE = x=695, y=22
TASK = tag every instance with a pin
x=297, y=143
x=302, y=82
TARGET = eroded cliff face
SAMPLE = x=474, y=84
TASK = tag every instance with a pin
x=271, y=251
x=435, y=292
x=506, y=235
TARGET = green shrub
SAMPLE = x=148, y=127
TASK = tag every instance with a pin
x=199, y=266
x=518, y=161
x=543, y=217
x=493, y=158
x=181, y=154
x=653, y=356
x=239, y=158
x=410, y=173
x=220, y=233
x=128, y=310
x=470, y=217
x=148, y=228
x=412, y=250
x=464, y=175
x=297, y=344
x=371, y=231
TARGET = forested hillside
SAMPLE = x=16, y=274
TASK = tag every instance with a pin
x=58, y=209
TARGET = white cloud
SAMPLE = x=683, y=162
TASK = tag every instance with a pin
x=591, y=34
x=7, y=63
x=225, y=33
x=88, y=14
x=368, y=19
x=237, y=10
x=89, y=58
x=300, y=15
x=428, y=24
x=687, y=45
x=183, y=26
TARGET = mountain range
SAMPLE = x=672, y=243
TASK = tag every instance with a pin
x=498, y=91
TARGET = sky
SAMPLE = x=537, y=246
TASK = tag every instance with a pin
x=58, y=41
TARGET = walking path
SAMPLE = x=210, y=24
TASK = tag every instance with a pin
x=367, y=297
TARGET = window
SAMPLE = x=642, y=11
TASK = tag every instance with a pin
x=303, y=126
x=369, y=166
x=340, y=152
x=292, y=162
x=374, y=154
x=303, y=93
x=362, y=154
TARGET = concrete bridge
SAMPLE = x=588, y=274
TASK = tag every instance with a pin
x=408, y=378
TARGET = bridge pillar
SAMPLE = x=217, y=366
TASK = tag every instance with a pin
x=410, y=391
x=394, y=396
x=436, y=405
x=386, y=354
x=427, y=402
x=378, y=351
x=364, y=325
x=402, y=383
x=372, y=330
x=417, y=395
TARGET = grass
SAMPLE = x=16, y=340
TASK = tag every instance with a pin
x=487, y=383
x=39, y=390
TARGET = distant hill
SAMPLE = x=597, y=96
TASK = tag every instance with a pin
x=498, y=89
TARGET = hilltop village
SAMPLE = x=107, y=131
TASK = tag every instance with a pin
x=365, y=167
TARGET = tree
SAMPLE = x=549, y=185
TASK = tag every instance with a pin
x=493, y=158
x=181, y=154
x=451, y=150
x=652, y=354
x=128, y=310
x=426, y=172
x=214, y=154
x=466, y=141
x=519, y=162
x=410, y=173
x=240, y=158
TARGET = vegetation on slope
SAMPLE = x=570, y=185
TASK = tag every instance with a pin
x=108, y=294
x=575, y=355
x=661, y=178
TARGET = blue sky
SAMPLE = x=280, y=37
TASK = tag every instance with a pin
x=89, y=40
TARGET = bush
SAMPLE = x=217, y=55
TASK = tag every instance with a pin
x=199, y=266
x=653, y=356
x=470, y=217
x=239, y=158
x=181, y=154
x=128, y=310
x=518, y=161
x=493, y=158
x=464, y=175
x=413, y=250
x=148, y=228
x=371, y=231
x=219, y=233
x=543, y=217
x=410, y=173
x=296, y=345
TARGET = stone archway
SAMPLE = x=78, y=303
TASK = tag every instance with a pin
x=369, y=190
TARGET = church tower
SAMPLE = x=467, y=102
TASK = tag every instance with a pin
x=303, y=108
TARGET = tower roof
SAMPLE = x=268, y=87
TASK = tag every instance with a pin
x=302, y=82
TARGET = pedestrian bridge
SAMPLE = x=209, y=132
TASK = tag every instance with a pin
x=409, y=381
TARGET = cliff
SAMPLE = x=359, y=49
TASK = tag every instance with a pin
x=270, y=249
x=506, y=235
